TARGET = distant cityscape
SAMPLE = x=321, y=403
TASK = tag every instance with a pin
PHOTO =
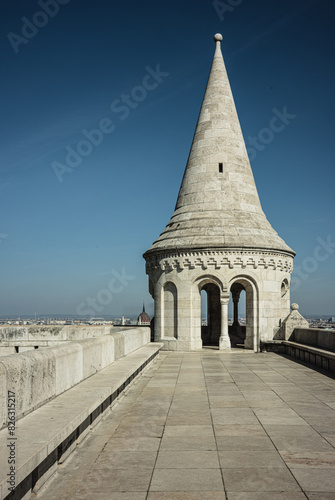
x=325, y=322
x=68, y=320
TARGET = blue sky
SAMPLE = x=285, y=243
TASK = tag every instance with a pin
x=64, y=243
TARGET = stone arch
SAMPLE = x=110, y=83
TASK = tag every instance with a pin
x=248, y=283
x=170, y=310
x=203, y=278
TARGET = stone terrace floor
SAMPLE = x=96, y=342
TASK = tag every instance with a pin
x=210, y=426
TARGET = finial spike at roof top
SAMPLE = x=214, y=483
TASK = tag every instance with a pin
x=218, y=37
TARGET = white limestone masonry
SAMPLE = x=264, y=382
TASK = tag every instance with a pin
x=218, y=240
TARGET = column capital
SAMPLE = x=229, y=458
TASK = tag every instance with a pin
x=224, y=298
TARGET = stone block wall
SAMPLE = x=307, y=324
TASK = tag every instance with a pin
x=40, y=375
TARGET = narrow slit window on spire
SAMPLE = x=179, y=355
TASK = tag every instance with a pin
x=220, y=168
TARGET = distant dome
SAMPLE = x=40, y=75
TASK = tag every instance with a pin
x=144, y=318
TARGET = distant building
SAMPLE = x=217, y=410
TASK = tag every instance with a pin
x=144, y=318
x=97, y=321
x=122, y=321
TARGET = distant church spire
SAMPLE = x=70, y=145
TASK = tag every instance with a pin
x=218, y=204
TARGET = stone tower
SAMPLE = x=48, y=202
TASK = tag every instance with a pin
x=218, y=240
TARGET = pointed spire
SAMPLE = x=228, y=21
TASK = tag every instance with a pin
x=218, y=204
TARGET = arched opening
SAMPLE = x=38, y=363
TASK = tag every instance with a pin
x=211, y=329
x=170, y=310
x=284, y=288
x=285, y=299
x=243, y=328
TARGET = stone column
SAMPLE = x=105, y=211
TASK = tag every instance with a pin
x=224, y=341
x=236, y=298
x=158, y=313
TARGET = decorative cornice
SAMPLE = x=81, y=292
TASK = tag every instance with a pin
x=230, y=259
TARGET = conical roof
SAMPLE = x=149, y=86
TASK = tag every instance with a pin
x=218, y=205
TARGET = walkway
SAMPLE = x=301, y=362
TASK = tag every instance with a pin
x=211, y=426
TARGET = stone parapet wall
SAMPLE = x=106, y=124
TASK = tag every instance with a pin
x=324, y=339
x=56, y=333
x=22, y=338
x=40, y=375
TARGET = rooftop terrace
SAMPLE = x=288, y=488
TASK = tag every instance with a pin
x=211, y=426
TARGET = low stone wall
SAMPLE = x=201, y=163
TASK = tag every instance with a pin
x=309, y=345
x=24, y=338
x=321, y=358
x=48, y=436
x=324, y=339
x=40, y=375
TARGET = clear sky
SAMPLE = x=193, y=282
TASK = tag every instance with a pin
x=72, y=236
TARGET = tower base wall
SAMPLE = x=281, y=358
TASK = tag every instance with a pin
x=177, y=280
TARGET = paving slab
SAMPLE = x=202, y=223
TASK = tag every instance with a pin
x=186, y=495
x=211, y=426
x=188, y=431
x=246, y=443
x=196, y=442
x=85, y=494
x=189, y=418
x=232, y=430
x=187, y=480
x=130, y=429
x=278, y=416
x=320, y=495
x=187, y=460
x=133, y=444
x=126, y=459
x=244, y=416
x=252, y=459
x=102, y=480
x=259, y=480
x=275, y=495
x=315, y=479
x=309, y=459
